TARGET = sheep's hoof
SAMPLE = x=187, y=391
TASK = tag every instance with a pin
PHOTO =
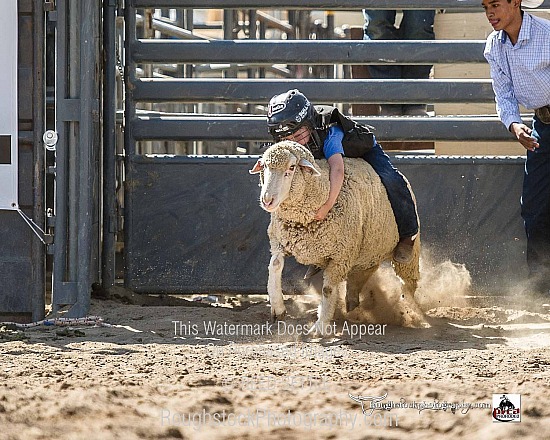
x=319, y=328
x=278, y=316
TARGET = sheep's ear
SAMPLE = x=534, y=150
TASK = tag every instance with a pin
x=308, y=166
x=258, y=167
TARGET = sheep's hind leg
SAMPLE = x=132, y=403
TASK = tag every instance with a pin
x=274, y=286
x=329, y=298
x=411, y=313
x=357, y=279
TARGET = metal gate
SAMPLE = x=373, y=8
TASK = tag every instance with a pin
x=192, y=224
x=56, y=231
x=77, y=155
x=22, y=274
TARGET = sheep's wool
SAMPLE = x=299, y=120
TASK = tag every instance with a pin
x=278, y=155
x=358, y=233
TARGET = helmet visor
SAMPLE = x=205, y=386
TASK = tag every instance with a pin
x=302, y=135
x=280, y=132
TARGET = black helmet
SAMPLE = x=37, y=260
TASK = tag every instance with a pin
x=287, y=112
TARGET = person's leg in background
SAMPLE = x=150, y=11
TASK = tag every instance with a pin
x=416, y=25
x=380, y=25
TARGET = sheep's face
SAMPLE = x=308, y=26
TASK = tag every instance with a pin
x=278, y=167
x=277, y=180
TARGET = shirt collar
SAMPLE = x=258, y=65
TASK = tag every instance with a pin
x=524, y=31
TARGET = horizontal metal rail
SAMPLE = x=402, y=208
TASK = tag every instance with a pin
x=309, y=51
x=171, y=29
x=350, y=91
x=194, y=127
x=275, y=23
x=398, y=158
x=278, y=70
x=315, y=4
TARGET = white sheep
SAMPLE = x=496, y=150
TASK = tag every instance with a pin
x=357, y=235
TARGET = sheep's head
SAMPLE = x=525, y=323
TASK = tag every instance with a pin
x=277, y=168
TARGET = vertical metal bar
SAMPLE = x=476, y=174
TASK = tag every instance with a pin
x=330, y=25
x=129, y=77
x=252, y=23
x=148, y=33
x=109, y=145
x=180, y=21
x=228, y=23
x=262, y=30
x=87, y=16
x=330, y=36
x=75, y=250
x=83, y=220
x=189, y=24
x=129, y=115
x=119, y=144
x=61, y=160
x=38, y=251
x=73, y=138
x=252, y=34
x=293, y=21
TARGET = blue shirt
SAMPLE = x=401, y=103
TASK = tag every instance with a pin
x=333, y=141
x=520, y=72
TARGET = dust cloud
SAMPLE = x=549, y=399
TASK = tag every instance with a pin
x=441, y=284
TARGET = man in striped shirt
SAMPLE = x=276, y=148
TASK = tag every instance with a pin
x=518, y=52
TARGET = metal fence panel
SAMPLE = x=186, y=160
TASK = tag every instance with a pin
x=318, y=4
x=193, y=225
x=200, y=229
x=317, y=90
x=235, y=127
x=308, y=52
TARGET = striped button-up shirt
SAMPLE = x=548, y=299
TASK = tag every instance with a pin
x=520, y=72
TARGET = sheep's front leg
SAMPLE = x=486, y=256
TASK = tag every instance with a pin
x=274, y=286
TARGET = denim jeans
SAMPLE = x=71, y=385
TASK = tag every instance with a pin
x=535, y=205
x=399, y=194
x=416, y=25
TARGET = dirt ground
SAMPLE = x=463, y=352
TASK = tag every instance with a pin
x=155, y=373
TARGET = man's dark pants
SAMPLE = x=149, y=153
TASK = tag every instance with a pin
x=535, y=207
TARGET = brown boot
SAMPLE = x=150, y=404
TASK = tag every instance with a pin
x=403, y=252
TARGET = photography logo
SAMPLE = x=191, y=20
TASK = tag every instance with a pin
x=363, y=399
x=506, y=408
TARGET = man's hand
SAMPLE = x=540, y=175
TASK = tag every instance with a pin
x=523, y=134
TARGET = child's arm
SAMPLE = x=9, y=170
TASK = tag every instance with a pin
x=336, y=176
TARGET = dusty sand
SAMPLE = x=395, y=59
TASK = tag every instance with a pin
x=143, y=379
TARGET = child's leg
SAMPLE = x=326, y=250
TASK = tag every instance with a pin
x=399, y=195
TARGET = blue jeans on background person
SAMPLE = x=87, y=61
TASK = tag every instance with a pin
x=415, y=25
x=535, y=207
x=398, y=191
